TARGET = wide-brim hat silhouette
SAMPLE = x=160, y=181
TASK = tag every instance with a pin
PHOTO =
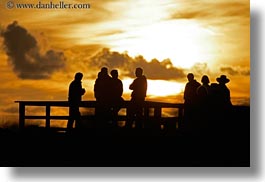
x=222, y=79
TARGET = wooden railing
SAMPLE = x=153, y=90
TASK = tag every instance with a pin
x=148, y=106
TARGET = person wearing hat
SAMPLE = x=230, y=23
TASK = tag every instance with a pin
x=224, y=92
x=220, y=105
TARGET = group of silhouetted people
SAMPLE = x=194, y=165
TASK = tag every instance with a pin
x=108, y=92
x=206, y=105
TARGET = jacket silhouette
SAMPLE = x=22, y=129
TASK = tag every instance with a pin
x=190, y=95
x=190, y=103
x=116, y=90
x=102, y=93
x=74, y=98
x=102, y=83
x=139, y=88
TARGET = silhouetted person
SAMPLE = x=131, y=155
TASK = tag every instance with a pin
x=224, y=92
x=204, y=97
x=102, y=95
x=220, y=103
x=101, y=83
x=190, y=95
x=204, y=90
x=74, y=98
x=190, y=101
x=116, y=90
x=135, y=110
x=214, y=94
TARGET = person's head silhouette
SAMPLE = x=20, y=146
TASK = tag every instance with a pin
x=78, y=76
x=190, y=77
x=114, y=73
x=104, y=70
x=222, y=79
x=205, y=80
x=138, y=72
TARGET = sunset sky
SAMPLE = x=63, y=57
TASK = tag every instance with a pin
x=41, y=49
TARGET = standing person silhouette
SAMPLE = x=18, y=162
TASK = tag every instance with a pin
x=221, y=104
x=190, y=95
x=116, y=95
x=102, y=94
x=139, y=88
x=204, y=94
x=224, y=92
x=190, y=101
x=102, y=82
x=74, y=98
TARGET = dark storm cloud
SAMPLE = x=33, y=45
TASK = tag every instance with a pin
x=235, y=70
x=154, y=69
x=25, y=57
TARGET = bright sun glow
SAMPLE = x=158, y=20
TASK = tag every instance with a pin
x=157, y=87
x=185, y=43
x=146, y=31
x=163, y=88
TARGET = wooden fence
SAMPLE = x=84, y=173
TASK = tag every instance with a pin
x=155, y=116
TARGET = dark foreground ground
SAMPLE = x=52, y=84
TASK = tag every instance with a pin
x=227, y=146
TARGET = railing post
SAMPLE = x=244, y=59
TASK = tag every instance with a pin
x=180, y=117
x=146, y=118
x=48, y=112
x=146, y=112
x=21, y=115
x=157, y=115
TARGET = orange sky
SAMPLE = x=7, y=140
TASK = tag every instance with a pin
x=167, y=38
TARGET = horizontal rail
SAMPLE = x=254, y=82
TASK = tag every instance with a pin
x=94, y=104
x=157, y=106
x=156, y=116
x=44, y=117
